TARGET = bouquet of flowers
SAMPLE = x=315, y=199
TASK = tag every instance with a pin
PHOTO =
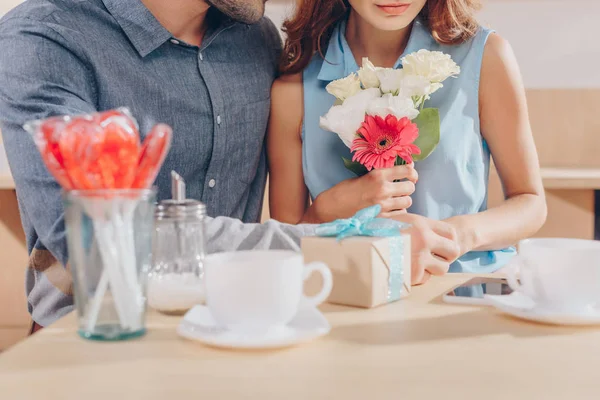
x=380, y=113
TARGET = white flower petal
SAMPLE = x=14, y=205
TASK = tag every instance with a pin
x=433, y=65
x=368, y=74
x=344, y=120
x=390, y=79
x=345, y=87
x=398, y=106
x=362, y=98
x=415, y=86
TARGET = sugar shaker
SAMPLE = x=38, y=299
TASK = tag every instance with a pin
x=175, y=281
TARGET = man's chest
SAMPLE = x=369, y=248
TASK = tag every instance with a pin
x=217, y=101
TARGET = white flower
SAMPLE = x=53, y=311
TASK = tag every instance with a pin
x=399, y=106
x=390, y=79
x=433, y=65
x=362, y=99
x=368, y=74
x=415, y=86
x=345, y=87
x=346, y=119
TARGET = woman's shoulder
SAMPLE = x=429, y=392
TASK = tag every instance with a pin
x=498, y=59
x=287, y=88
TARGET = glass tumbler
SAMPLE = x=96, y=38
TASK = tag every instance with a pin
x=109, y=237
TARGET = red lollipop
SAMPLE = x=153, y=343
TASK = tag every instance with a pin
x=154, y=150
x=120, y=149
x=46, y=137
x=79, y=146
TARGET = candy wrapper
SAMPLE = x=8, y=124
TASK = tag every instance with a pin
x=101, y=156
x=368, y=257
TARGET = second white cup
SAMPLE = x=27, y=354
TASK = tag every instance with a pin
x=559, y=274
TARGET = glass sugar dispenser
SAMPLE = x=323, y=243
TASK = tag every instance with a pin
x=175, y=281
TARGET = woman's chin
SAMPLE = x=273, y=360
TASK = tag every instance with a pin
x=389, y=22
x=392, y=24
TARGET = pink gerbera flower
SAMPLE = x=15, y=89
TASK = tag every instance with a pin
x=380, y=141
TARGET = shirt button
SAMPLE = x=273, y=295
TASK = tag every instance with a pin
x=212, y=183
x=218, y=120
x=174, y=41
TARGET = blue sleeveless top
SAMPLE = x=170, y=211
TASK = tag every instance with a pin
x=453, y=179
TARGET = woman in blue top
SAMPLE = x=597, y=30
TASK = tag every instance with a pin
x=483, y=112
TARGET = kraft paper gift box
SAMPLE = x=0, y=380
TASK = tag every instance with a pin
x=367, y=271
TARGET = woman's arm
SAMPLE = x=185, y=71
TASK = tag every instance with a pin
x=505, y=126
x=288, y=195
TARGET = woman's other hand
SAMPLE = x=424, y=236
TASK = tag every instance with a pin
x=434, y=246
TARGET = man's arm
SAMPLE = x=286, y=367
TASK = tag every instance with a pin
x=41, y=76
x=228, y=234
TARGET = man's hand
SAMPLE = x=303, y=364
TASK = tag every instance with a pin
x=434, y=246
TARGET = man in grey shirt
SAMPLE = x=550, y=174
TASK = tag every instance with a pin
x=205, y=70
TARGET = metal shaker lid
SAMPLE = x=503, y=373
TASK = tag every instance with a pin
x=179, y=207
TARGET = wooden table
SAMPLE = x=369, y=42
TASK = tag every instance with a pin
x=417, y=348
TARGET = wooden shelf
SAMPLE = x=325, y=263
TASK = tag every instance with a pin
x=6, y=182
x=571, y=178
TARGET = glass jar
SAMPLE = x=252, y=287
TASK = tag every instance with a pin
x=175, y=282
x=110, y=243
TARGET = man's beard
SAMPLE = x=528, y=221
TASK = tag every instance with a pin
x=246, y=11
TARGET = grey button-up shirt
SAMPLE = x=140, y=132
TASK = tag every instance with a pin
x=72, y=57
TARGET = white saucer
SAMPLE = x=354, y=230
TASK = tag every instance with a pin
x=198, y=324
x=520, y=306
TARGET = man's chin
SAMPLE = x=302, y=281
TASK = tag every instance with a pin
x=246, y=11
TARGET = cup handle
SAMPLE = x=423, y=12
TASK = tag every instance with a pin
x=511, y=274
x=314, y=301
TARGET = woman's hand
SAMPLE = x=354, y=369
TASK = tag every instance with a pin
x=377, y=187
x=434, y=246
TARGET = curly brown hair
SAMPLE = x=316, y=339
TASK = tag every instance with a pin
x=309, y=30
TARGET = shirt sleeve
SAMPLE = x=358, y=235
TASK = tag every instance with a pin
x=229, y=234
x=41, y=75
x=273, y=42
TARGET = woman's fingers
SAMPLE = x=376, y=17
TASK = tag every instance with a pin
x=437, y=266
x=421, y=278
x=393, y=204
x=445, y=248
x=392, y=214
x=401, y=172
x=397, y=189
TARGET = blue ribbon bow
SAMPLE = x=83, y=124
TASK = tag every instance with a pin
x=364, y=223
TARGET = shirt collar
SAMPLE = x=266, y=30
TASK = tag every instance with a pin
x=144, y=31
x=339, y=61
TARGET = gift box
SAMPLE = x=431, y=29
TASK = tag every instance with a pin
x=368, y=270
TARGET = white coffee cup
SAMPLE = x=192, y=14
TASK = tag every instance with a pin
x=558, y=274
x=256, y=291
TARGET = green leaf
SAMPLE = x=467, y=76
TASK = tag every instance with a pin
x=428, y=123
x=355, y=167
